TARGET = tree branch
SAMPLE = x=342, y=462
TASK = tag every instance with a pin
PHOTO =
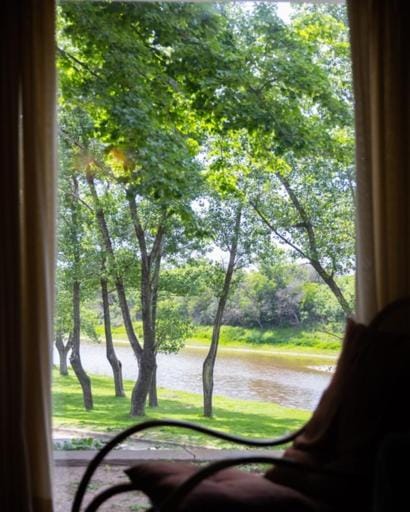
x=61, y=191
x=79, y=62
x=139, y=232
x=156, y=246
x=306, y=223
x=276, y=232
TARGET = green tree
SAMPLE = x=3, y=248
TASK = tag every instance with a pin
x=122, y=76
x=229, y=236
x=234, y=235
x=71, y=253
x=295, y=125
x=161, y=92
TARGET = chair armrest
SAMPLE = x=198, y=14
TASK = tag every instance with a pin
x=95, y=462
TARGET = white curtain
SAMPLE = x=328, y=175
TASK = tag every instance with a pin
x=381, y=66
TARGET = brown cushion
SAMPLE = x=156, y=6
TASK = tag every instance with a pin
x=363, y=402
x=229, y=490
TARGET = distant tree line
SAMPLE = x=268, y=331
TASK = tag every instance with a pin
x=284, y=295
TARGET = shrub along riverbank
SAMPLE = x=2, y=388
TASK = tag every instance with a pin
x=298, y=338
x=281, y=338
x=242, y=417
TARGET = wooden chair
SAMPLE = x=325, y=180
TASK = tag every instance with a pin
x=336, y=461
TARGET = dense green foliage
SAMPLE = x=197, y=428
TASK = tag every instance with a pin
x=286, y=294
x=176, y=120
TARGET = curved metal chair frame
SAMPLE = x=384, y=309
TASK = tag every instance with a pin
x=119, y=438
x=394, y=318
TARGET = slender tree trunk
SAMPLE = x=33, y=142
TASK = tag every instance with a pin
x=153, y=394
x=148, y=359
x=63, y=351
x=75, y=358
x=110, y=351
x=296, y=318
x=126, y=317
x=333, y=286
x=142, y=386
x=119, y=283
x=150, y=265
x=209, y=363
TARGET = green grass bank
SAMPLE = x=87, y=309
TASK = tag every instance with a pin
x=242, y=417
x=282, y=338
x=318, y=339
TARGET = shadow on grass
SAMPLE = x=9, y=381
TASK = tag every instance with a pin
x=244, y=418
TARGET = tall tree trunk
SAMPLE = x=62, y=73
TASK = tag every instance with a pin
x=148, y=359
x=75, y=358
x=110, y=351
x=153, y=394
x=209, y=362
x=150, y=265
x=63, y=351
x=126, y=317
x=333, y=286
x=142, y=386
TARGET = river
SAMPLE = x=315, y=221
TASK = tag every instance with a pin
x=293, y=381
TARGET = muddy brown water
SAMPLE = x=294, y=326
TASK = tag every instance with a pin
x=289, y=380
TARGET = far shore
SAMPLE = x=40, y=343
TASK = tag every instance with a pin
x=242, y=347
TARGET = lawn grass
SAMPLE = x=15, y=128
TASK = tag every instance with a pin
x=242, y=417
x=317, y=339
